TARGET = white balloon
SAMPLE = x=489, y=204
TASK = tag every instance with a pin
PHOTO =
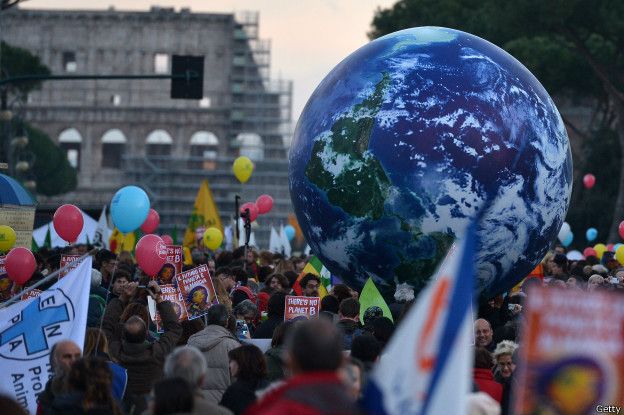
x=564, y=231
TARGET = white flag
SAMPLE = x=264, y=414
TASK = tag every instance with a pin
x=275, y=243
x=29, y=329
x=285, y=243
x=102, y=231
x=426, y=368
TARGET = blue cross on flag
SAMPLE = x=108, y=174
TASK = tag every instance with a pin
x=30, y=328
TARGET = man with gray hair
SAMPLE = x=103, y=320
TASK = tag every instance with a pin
x=188, y=363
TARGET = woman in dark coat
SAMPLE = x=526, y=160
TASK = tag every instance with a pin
x=248, y=370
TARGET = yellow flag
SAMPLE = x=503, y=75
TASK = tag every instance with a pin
x=205, y=214
x=119, y=242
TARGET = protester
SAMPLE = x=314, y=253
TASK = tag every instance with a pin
x=275, y=316
x=170, y=397
x=484, y=334
x=106, y=263
x=483, y=376
x=382, y=328
x=10, y=407
x=310, y=284
x=349, y=321
x=62, y=355
x=313, y=355
x=188, y=363
x=129, y=346
x=222, y=294
x=504, y=370
x=367, y=350
x=248, y=372
x=352, y=375
x=595, y=282
x=277, y=282
x=89, y=390
x=330, y=304
x=97, y=300
x=215, y=341
x=96, y=345
x=274, y=355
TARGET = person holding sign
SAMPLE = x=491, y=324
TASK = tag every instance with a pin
x=128, y=346
x=310, y=284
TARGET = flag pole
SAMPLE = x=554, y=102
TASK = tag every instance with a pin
x=46, y=279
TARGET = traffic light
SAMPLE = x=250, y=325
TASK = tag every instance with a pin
x=187, y=80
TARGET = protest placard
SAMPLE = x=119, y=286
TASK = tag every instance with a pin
x=170, y=292
x=65, y=260
x=197, y=290
x=6, y=285
x=572, y=353
x=34, y=293
x=172, y=267
x=296, y=307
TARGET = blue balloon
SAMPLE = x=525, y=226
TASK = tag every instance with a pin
x=290, y=232
x=591, y=234
x=568, y=239
x=616, y=246
x=129, y=208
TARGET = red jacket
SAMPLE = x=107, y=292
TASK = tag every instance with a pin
x=312, y=393
x=484, y=378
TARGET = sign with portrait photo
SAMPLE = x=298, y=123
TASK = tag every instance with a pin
x=172, y=267
x=171, y=293
x=197, y=291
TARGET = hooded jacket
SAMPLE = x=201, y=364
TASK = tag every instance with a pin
x=215, y=342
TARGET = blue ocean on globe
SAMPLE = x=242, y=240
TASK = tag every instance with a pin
x=403, y=143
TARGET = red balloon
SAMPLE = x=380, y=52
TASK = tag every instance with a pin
x=589, y=180
x=253, y=210
x=151, y=222
x=151, y=254
x=168, y=240
x=264, y=203
x=68, y=222
x=610, y=247
x=20, y=264
x=589, y=251
x=621, y=229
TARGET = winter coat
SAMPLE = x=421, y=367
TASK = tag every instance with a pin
x=313, y=393
x=350, y=329
x=484, y=378
x=266, y=328
x=240, y=395
x=215, y=342
x=275, y=368
x=144, y=362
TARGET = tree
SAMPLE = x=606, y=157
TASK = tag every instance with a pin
x=54, y=175
x=575, y=48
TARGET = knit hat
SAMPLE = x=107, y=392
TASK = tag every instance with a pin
x=372, y=313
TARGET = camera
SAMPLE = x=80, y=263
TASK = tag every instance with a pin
x=241, y=329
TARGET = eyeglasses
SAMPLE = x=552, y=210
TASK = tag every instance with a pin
x=312, y=286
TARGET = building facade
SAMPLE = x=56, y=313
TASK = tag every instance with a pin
x=119, y=132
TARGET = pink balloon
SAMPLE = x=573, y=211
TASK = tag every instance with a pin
x=589, y=251
x=20, y=264
x=68, y=222
x=589, y=180
x=253, y=210
x=168, y=240
x=151, y=222
x=151, y=254
x=264, y=203
x=621, y=229
x=610, y=247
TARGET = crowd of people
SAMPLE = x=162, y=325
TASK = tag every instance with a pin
x=209, y=365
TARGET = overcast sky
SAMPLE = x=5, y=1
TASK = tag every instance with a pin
x=308, y=37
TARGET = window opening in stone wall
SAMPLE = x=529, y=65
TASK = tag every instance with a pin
x=116, y=100
x=69, y=62
x=161, y=63
x=113, y=147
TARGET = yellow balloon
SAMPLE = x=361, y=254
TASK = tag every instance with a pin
x=242, y=168
x=600, y=250
x=212, y=238
x=619, y=254
x=7, y=238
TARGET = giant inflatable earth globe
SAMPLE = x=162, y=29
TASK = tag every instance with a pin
x=404, y=142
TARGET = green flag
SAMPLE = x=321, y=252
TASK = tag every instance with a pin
x=370, y=297
x=48, y=239
x=33, y=245
x=174, y=235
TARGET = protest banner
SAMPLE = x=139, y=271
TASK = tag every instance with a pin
x=34, y=293
x=171, y=293
x=172, y=267
x=6, y=285
x=29, y=329
x=297, y=306
x=197, y=291
x=21, y=219
x=572, y=354
x=65, y=260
